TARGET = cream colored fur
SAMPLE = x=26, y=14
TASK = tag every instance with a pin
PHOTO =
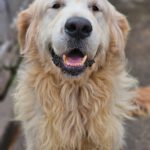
x=64, y=113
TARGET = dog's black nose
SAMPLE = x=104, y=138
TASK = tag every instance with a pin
x=78, y=27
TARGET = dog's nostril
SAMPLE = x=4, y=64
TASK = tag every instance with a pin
x=71, y=27
x=78, y=27
x=87, y=29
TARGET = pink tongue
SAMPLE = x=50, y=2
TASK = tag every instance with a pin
x=74, y=60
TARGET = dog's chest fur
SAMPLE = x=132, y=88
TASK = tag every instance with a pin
x=72, y=115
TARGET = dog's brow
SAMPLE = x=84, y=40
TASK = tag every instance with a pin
x=60, y=1
x=93, y=1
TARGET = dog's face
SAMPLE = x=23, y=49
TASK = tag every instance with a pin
x=72, y=38
x=72, y=34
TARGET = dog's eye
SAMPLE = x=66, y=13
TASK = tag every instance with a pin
x=95, y=8
x=56, y=6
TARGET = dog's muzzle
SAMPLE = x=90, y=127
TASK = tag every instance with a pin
x=75, y=60
x=72, y=63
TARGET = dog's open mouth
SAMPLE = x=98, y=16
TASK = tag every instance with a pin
x=74, y=58
x=73, y=63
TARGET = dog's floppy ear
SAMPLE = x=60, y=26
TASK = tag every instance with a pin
x=23, y=23
x=119, y=30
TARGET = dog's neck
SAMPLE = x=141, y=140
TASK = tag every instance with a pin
x=76, y=110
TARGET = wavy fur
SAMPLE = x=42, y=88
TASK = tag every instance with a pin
x=84, y=113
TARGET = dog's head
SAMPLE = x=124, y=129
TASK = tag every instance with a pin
x=74, y=35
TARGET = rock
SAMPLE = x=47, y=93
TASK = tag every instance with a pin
x=9, y=10
x=20, y=143
x=4, y=23
x=138, y=134
x=9, y=56
x=16, y=5
x=5, y=77
x=6, y=111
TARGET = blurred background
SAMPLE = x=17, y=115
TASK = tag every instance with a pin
x=137, y=51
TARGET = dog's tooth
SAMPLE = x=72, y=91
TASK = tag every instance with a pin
x=68, y=63
x=84, y=59
x=74, y=64
x=79, y=64
x=65, y=59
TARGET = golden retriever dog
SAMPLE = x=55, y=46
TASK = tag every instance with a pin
x=73, y=91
